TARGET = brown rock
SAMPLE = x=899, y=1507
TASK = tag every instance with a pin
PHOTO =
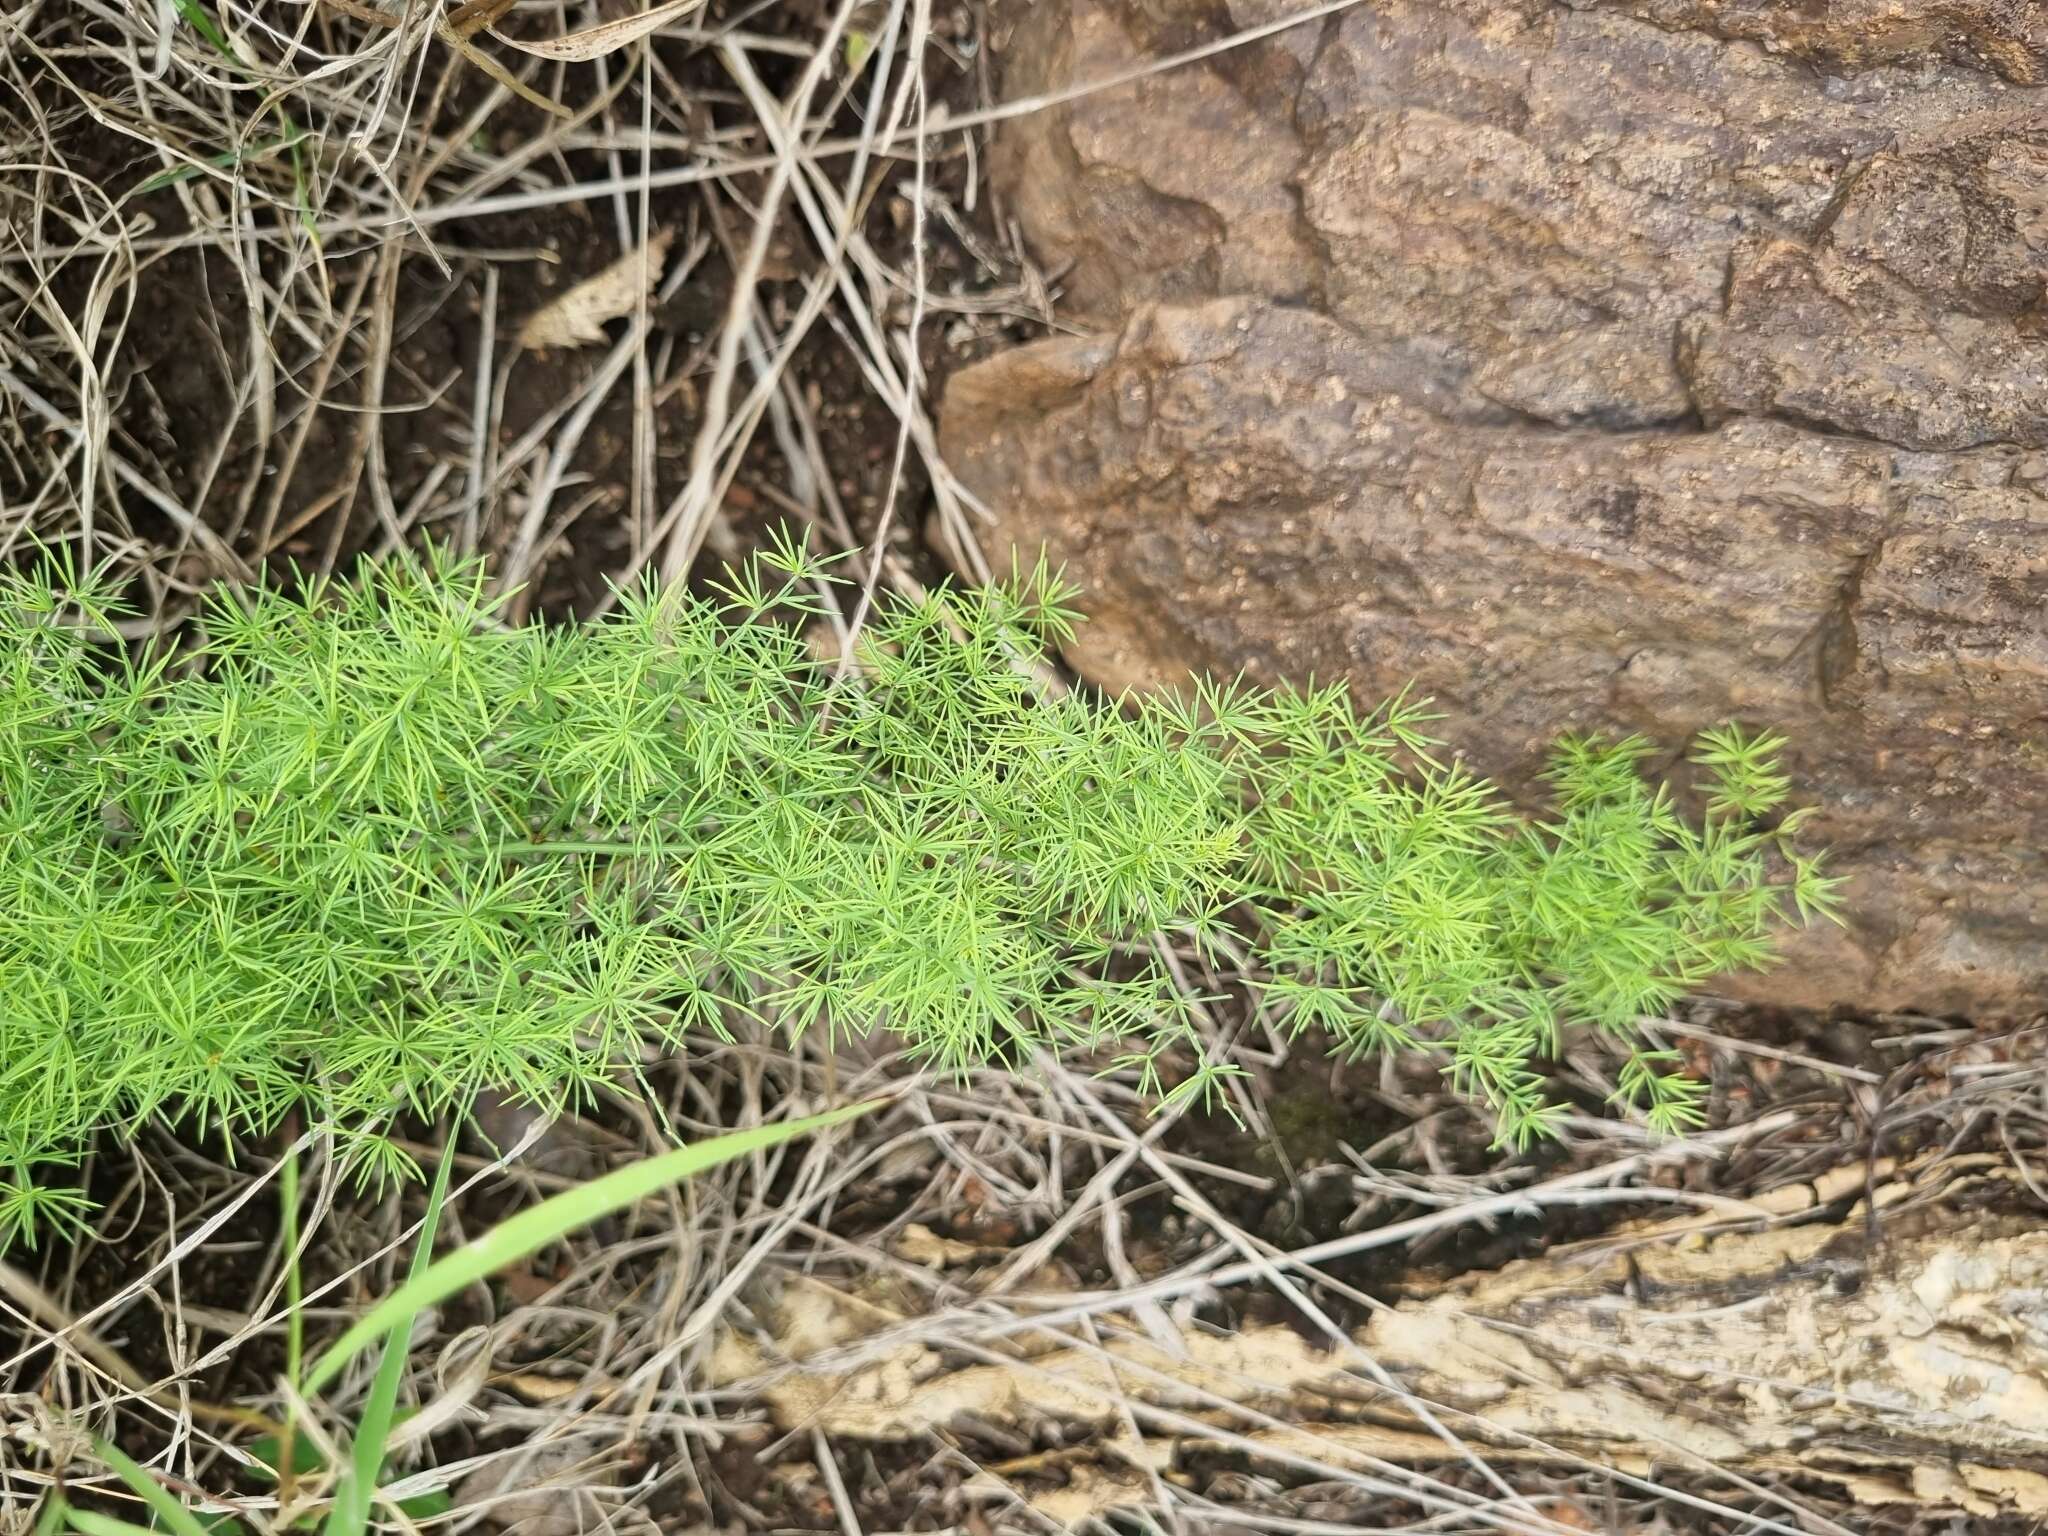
x=1623, y=363
x=1539, y=198
x=1612, y=372
x=2008, y=37
x=1135, y=213
x=1236, y=485
x=1879, y=342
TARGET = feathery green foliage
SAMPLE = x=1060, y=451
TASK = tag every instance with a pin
x=372, y=850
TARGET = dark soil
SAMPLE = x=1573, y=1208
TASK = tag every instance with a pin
x=174, y=386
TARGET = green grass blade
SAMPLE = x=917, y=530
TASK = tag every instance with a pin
x=351, y=1513
x=199, y=21
x=224, y=160
x=51, y=1520
x=197, y=17
x=106, y=1525
x=177, y=1519
x=294, y=1285
x=531, y=1229
x=302, y=194
x=294, y=1318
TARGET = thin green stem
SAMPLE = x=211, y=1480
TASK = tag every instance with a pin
x=294, y=1316
x=567, y=847
x=292, y=136
x=351, y=1513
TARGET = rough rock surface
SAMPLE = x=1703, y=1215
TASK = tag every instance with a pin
x=1634, y=365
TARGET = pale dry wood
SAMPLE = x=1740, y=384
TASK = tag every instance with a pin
x=1903, y=1361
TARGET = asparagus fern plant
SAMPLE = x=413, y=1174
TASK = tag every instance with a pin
x=368, y=849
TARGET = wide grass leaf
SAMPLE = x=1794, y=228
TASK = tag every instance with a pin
x=553, y=1217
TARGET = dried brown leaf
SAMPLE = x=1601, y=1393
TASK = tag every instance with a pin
x=577, y=317
x=489, y=66
x=606, y=37
x=919, y=1244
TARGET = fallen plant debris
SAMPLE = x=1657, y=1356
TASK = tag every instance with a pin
x=577, y=318
x=368, y=849
x=1761, y=1339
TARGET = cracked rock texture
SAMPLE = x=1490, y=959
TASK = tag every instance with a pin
x=1634, y=365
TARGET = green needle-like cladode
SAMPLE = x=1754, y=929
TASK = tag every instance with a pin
x=369, y=850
